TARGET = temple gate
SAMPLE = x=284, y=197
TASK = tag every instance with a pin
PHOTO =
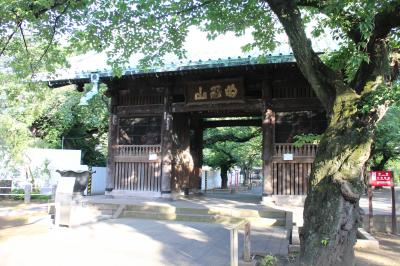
x=157, y=118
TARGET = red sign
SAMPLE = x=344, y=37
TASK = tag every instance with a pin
x=381, y=179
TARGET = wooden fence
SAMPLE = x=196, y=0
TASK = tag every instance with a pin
x=290, y=177
x=137, y=167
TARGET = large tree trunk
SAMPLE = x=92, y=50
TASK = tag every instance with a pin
x=382, y=162
x=224, y=176
x=331, y=213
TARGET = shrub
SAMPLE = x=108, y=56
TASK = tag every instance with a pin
x=34, y=195
x=18, y=191
x=268, y=260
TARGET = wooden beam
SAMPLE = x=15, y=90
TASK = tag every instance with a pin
x=233, y=123
x=249, y=106
x=296, y=159
x=252, y=106
x=135, y=159
x=295, y=104
x=124, y=111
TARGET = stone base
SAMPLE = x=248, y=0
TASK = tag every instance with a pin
x=289, y=200
x=381, y=223
x=130, y=193
x=365, y=240
x=247, y=263
x=267, y=200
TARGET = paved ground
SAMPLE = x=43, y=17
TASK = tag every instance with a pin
x=388, y=253
x=27, y=237
x=382, y=201
x=128, y=242
x=244, y=200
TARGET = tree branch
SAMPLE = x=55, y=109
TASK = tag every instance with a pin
x=312, y=3
x=229, y=137
x=26, y=47
x=56, y=4
x=376, y=48
x=387, y=20
x=9, y=39
x=186, y=10
x=54, y=28
x=231, y=160
x=323, y=80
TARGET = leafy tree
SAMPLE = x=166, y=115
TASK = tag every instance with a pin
x=18, y=109
x=355, y=84
x=72, y=126
x=248, y=155
x=386, y=145
x=40, y=117
x=226, y=147
x=220, y=156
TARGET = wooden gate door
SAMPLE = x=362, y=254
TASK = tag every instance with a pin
x=290, y=177
x=138, y=159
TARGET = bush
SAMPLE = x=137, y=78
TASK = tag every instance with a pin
x=18, y=191
x=41, y=197
x=21, y=191
x=268, y=260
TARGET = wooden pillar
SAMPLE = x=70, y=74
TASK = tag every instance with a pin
x=166, y=146
x=182, y=165
x=268, y=149
x=196, y=149
x=268, y=127
x=112, y=142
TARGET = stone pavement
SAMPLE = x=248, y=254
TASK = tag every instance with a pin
x=133, y=242
x=387, y=254
x=382, y=201
x=243, y=199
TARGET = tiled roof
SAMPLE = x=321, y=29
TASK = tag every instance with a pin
x=172, y=68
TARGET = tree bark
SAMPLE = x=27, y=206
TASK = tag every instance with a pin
x=331, y=212
x=382, y=163
x=224, y=176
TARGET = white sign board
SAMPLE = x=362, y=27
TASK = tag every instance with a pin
x=288, y=156
x=152, y=156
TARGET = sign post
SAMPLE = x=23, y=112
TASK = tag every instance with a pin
x=394, y=217
x=382, y=179
x=371, y=213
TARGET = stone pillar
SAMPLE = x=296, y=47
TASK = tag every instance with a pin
x=166, y=147
x=112, y=142
x=268, y=149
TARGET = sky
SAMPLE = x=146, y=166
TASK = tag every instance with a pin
x=200, y=48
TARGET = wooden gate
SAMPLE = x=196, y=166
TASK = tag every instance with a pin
x=137, y=167
x=290, y=177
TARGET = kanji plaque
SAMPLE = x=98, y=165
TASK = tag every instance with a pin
x=224, y=90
